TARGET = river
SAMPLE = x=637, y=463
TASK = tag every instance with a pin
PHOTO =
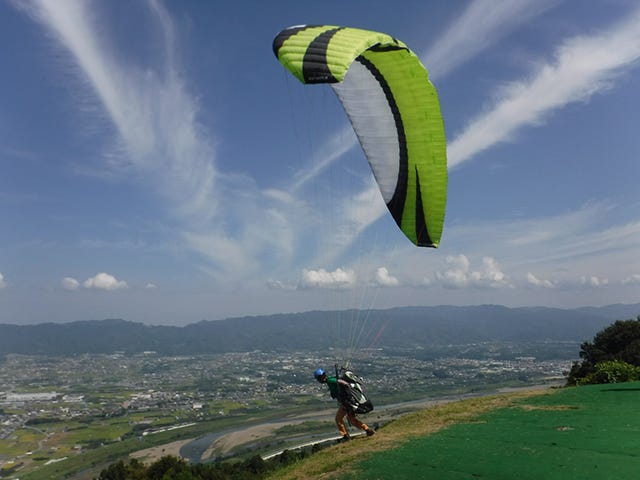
x=202, y=448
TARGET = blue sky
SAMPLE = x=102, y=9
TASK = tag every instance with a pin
x=158, y=164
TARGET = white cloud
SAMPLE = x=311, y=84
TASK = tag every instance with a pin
x=593, y=281
x=583, y=66
x=3, y=284
x=104, y=281
x=461, y=275
x=475, y=30
x=632, y=279
x=69, y=283
x=385, y=279
x=490, y=274
x=338, y=279
x=150, y=286
x=538, y=282
x=456, y=276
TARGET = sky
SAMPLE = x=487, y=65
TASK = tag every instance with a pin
x=158, y=164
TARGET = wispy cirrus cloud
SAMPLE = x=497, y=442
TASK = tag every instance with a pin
x=581, y=231
x=336, y=146
x=151, y=110
x=582, y=67
x=476, y=30
x=158, y=140
x=357, y=212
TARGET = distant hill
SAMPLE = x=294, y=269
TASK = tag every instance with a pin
x=393, y=328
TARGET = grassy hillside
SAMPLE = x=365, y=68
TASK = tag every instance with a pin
x=581, y=433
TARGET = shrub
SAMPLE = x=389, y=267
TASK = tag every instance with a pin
x=611, y=371
x=619, y=341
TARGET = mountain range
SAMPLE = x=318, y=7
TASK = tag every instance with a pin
x=400, y=327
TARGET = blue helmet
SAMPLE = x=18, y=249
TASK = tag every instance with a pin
x=318, y=373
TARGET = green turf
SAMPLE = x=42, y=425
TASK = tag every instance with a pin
x=590, y=432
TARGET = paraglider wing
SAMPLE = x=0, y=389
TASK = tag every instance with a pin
x=394, y=110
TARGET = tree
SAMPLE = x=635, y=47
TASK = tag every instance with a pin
x=134, y=470
x=256, y=465
x=619, y=342
x=116, y=471
x=166, y=465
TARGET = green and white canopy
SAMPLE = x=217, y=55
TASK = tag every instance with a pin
x=394, y=110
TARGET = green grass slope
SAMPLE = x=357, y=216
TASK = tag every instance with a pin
x=590, y=432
